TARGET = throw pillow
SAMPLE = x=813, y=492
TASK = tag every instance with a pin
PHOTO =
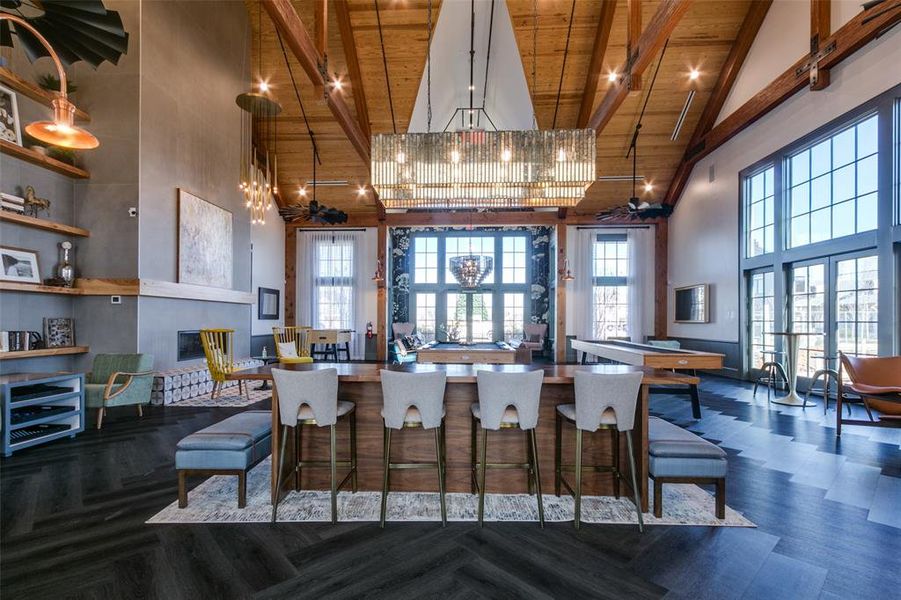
x=287, y=350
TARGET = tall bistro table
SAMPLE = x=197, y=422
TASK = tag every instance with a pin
x=792, y=344
x=361, y=383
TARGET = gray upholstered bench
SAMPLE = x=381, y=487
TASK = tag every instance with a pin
x=229, y=447
x=679, y=456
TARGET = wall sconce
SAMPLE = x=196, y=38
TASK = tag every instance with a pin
x=61, y=131
x=565, y=273
x=379, y=275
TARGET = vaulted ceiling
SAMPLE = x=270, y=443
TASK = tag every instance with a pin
x=702, y=40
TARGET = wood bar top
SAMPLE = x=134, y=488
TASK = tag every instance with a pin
x=553, y=374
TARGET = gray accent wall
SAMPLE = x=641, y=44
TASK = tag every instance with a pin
x=166, y=119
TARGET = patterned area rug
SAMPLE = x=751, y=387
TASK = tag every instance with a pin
x=215, y=501
x=229, y=397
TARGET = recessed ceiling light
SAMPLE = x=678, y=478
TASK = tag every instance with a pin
x=694, y=74
x=303, y=192
x=611, y=77
x=337, y=84
x=361, y=191
x=648, y=187
x=264, y=86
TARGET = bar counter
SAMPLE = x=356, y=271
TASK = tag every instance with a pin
x=360, y=383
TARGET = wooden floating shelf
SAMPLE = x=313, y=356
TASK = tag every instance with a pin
x=35, y=92
x=36, y=158
x=37, y=288
x=44, y=352
x=135, y=287
x=36, y=223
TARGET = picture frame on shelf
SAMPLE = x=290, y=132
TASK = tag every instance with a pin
x=267, y=304
x=19, y=265
x=10, y=127
x=59, y=332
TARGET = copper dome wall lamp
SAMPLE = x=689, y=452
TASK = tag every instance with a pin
x=61, y=131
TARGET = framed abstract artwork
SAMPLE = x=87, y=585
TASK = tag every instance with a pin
x=204, y=242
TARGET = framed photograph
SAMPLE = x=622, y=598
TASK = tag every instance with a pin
x=59, y=332
x=692, y=304
x=204, y=242
x=19, y=265
x=10, y=130
x=267, y=304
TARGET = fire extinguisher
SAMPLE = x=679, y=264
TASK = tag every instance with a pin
x=369, y=330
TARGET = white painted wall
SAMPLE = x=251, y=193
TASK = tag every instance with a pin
x=703, y=231
x=268, y=269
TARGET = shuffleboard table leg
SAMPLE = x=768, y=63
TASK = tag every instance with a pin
x=695, y=401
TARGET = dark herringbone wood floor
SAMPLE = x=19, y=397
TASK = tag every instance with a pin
x=73, y=512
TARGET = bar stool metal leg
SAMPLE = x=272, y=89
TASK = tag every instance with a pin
x=353, y=450
x=537, y=471
x=530, y=471
x=440, y=456
x=482, y=478
x=614, y=434
x=472, y=456
x=298, y=432
x=558, y=452
x=635, y=491
x=278, y=471
x=385, y=481
x=333, y=457
x=578, y=512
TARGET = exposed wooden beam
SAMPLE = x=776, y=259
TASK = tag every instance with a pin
x=342, y=16
x=633, y=34
x=298, y=40
x=820, y=29
x=728, y=74
x=320, y=16
x=847, y=40
x=560, y=304
x=601, y=38
x=661, y=25
x=381, y=320
x=478, y=219
x=661, y=279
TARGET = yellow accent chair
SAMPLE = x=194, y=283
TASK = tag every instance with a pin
x=299, y=337
x=218, y=346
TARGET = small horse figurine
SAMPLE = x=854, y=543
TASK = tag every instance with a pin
x=33, y=204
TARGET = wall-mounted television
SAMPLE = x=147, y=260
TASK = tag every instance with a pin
x=692, y=304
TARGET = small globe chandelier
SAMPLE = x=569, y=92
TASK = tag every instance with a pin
x=470, y=271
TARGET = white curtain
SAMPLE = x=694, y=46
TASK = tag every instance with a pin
x=581, y=257
x=331, y=280
x=639, y=244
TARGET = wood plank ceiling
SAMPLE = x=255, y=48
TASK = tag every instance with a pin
x=701, y=40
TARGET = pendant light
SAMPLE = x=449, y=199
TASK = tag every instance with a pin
x=61, y=131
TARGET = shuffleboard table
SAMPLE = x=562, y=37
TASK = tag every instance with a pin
x=646, y=355
x=491, y=353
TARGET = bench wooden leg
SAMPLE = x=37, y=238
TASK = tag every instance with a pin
x=100, y=412
x=721, y=498
x=242, y=489
x=182, y=492
x=658, y=499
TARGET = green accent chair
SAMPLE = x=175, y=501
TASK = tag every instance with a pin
x=119, y=380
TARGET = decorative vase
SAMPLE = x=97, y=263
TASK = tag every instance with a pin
x=66, y=270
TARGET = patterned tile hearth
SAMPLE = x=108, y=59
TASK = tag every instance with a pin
x=187, y=383
x=214, y=501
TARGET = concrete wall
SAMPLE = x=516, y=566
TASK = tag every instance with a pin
x=190, y=138
x=268, y=270
x=704, y=230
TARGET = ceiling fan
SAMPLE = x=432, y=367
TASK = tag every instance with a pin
x=314, y=213
x=636, y=208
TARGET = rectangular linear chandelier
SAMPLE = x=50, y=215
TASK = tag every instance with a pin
x=484, y=169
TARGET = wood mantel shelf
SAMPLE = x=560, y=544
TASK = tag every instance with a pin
x=46, y=225
x=37, y=288
x=36, y=93
x=36, y=158
x=44, y=352
x=134, y=287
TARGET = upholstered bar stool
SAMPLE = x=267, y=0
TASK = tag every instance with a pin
x=307, y=398
x=506, y=401
x=414, y=400
x=771, y=368
x=603, y=401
